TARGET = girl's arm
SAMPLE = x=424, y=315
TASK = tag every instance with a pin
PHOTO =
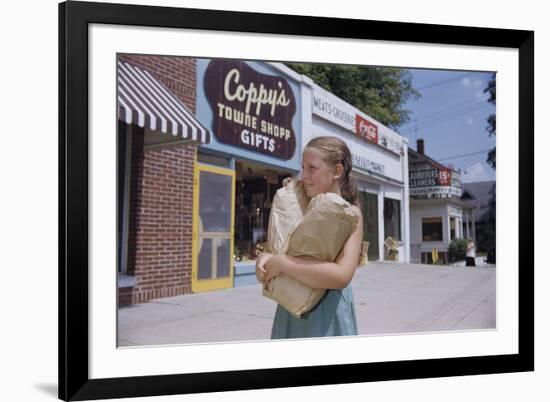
x=319, y=274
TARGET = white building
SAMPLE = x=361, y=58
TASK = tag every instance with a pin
x=437, y=207
x=380, y=163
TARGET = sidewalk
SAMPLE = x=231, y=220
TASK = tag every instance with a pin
x=389, y=298
x=480, y=262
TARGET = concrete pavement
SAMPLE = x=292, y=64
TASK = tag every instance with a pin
x=389, y=298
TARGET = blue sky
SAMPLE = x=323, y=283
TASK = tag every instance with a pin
x=451, y=117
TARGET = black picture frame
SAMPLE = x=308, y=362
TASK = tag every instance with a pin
x=74, y=380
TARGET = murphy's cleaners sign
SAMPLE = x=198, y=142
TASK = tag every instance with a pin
x=438, y=182
x=251, y=110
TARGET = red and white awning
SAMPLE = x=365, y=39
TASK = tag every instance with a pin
x=144, y=101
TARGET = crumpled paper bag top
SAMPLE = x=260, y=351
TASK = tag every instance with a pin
x=287, y=210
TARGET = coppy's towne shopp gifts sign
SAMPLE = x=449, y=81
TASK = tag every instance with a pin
x=438, y=182
x=251, y=110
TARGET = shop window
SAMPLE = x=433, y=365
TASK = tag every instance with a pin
x=253, y=205
x=256, y=185
x=432, y=229
x=369, y=206
x=392, y=218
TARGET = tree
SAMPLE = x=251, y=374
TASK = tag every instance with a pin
x=491, y=120
x=380, y=92
x=487, y=230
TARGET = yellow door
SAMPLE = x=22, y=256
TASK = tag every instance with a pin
x=213, y=213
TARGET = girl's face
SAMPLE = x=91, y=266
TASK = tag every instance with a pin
x=319, y=177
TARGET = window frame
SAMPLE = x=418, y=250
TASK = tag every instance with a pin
x=396, y=205
x=434, y=218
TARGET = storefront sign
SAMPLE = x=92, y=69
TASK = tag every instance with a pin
x=367, y=164
x=444, y=177
x=366, y=129
x=346, y=116
x=251, y=110
x=435, y=192
x=332, y=110
x=390, y=143
x=435, y=183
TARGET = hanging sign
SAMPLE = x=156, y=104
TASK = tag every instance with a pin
x=439, y=182
x=251, y=110
x=366, y=129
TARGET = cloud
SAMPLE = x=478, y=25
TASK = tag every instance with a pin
x=467, y=82
x=477, y=172
x=471, y=83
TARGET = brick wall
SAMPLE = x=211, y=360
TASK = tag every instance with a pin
x=161, y=197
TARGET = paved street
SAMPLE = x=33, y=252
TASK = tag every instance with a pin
x=389, y=298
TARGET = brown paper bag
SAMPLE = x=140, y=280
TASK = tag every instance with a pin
x=318, y=231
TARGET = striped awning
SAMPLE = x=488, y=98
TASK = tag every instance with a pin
x=144, y=101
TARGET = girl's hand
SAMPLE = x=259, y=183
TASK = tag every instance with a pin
x=261, y=271
x=272, y=268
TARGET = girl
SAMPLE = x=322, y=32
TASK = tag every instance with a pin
x=326, y=167
x=470, y=254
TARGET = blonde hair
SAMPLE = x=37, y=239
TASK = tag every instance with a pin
x=333, y=151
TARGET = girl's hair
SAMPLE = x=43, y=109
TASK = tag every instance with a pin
x=333, y=151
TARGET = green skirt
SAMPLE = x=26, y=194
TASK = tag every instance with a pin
x=333, y=316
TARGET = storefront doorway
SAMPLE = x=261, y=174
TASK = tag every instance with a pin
x=369, y=205
x=256, y=186
x=213, y=213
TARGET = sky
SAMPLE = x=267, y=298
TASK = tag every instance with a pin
x=451, y=117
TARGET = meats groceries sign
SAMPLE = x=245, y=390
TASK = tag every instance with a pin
x=333, y=109
x=251, y=110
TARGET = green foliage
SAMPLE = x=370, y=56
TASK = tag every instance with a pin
x=491, y=120
x=486, y=235
x=492, y=157
x=380, y=92
x=457, y=249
